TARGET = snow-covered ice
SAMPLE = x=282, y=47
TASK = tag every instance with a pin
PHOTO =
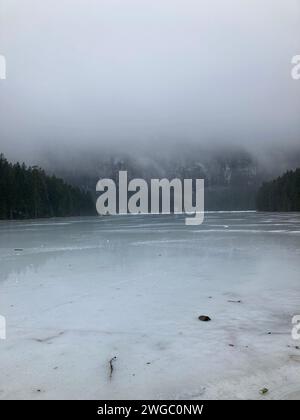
x=77, y=292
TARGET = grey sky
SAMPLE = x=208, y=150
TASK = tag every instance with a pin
x=128, y=72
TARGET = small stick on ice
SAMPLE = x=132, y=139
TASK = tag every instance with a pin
x=111, y=366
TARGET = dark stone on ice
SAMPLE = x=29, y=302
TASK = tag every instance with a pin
x=204, y=318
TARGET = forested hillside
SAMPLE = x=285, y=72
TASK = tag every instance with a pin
x=282, y=194
x=27, y=192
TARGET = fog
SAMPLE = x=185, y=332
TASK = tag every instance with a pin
x=148, y=74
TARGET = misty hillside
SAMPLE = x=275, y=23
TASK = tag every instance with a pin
x=232, y=176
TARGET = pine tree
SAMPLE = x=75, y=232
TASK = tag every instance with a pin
x=30, y=193
x=281, y=194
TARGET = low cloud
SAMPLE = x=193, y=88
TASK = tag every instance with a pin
x=148, y=74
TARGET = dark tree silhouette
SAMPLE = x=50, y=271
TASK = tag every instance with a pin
x=30, y=193
x=282, y=194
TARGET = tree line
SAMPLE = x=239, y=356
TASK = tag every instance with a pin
x=28, y=192
x=281, y=194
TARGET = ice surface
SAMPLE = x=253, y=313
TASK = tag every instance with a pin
x=77, y=292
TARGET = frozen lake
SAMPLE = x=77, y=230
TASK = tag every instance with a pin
x=77, y=292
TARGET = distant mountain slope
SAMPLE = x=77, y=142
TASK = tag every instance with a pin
x=231, y=180
x=232, y=176
x=281, y=194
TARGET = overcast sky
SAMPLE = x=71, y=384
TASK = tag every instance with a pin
x=123, y=73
